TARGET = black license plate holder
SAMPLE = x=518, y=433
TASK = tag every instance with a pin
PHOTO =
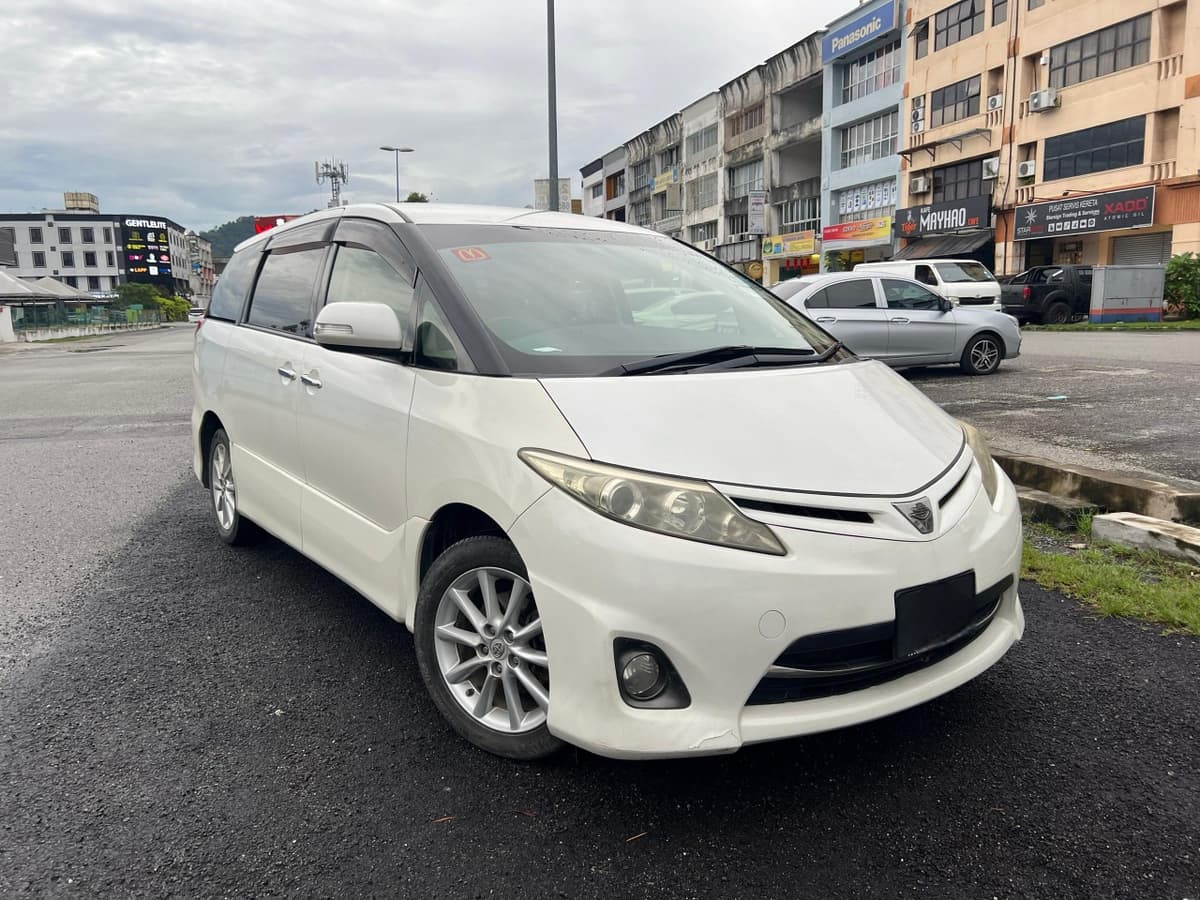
x=930, y=615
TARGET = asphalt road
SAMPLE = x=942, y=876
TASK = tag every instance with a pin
x=1108, y=400
x=181, y=718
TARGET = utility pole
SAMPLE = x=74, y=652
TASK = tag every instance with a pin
x=396, y=151
x=553, y=106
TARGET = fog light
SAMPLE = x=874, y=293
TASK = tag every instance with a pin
x=643, y=677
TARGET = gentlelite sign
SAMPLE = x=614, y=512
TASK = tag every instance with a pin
x=1109, y=211
x=972, y=214
x=862, y=30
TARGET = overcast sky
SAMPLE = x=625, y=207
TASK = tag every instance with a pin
x=205, y=111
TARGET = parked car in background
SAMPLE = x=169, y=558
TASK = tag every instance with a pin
x=903, y=323
x=658, y=523
x=1051, y=295
x=963, y=282
x=195, y=314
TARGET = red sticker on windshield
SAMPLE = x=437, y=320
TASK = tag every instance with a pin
x=470, y=254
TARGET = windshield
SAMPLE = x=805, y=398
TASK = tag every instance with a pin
x=964, y=271
x=581, y=302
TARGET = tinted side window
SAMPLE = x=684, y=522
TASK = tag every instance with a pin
x=859, y=294
x=363, y=276
x=905, y=295
x=230, y=290
x=924, y=274
x=283, y=295
x=1085, y=275
x=817, y=301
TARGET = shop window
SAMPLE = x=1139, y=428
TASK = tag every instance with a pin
x=957, y=23
x=953, y=102
x=959, y=182
x=1102, y=52
x=1111, y=146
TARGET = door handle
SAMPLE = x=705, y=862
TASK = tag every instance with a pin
x=826, y=318
x=899, y=320
x=311, y=380
x=286, y=374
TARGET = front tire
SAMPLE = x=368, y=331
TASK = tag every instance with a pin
x=232, y=527
x=982, y=354
x=481, y=651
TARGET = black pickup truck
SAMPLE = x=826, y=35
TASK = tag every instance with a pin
x=1048, y=294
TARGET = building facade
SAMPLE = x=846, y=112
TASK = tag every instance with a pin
x=614, y=185
x=95, y=251
x=592, y=184
x=202, y=275
x=701, y=168
x=863, y=58
x=1052, y=131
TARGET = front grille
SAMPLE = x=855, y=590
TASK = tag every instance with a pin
x=976, y=301
x=838, y=662
x=808, y=512
x=954, y=490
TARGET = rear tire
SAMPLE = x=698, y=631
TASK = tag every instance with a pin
x=982, y=354
x=232, y=527
x=484, y=660
x=1057, y=314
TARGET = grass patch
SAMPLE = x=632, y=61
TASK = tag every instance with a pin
x=1175, y=325
x=1114, y=580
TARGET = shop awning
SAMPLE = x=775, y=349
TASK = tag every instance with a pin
x=943, y=245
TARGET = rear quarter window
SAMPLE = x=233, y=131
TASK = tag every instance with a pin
x=229, y=293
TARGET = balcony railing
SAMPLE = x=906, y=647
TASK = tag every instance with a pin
x=672, y=221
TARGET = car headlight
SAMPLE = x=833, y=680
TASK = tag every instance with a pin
x=983, y=456
x=674, y=506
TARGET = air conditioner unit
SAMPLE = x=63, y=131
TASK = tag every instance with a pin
x=918, y=114
x=918, y=127
x=919, y=184
x=991, y=167
x=1027, y=169
x=744, y=236
x=708, y=244
x=918, y=102
x=996, y=101
x=1040, y=101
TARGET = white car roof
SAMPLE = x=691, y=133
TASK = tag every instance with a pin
x=456, y=214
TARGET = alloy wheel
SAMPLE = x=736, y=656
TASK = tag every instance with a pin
x=985, y=355
x=224, y=490
x=490, y=650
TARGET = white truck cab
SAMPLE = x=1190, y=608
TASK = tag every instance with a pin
x=964, y=282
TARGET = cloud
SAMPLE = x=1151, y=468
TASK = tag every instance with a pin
x=203, y=112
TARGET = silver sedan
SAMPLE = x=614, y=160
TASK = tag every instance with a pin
x=903, y=323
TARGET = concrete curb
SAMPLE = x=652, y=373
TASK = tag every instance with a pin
x=1144, y=533
x=1107, y=490
x=1060, y=512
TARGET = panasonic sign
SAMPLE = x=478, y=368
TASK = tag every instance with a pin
x=845, y=38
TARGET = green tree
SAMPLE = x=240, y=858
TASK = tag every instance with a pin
x=416, y=197
x=225, y=237
x=836, y=261
x=1182, y=288
x=132, y=294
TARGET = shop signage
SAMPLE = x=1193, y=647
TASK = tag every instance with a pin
x=793, y=244
x=971, y=214
x=1112, y=210
x=756, y=209
x=866, y=231
x=862, y=30
x=664, y=179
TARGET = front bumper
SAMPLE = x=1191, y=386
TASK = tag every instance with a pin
x=723, y=616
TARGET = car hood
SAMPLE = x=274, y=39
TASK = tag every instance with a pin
x=853, y=428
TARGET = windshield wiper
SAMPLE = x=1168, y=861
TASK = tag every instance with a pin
x=720, y=357
x=765, y=357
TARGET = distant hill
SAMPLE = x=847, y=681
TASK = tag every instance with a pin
x=225, y=237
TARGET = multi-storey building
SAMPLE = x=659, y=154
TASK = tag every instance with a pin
x=1052, y=131
x=592, y=182
x=863, y=56
x=744, y=110
x=652, y=177
x=202, y=275
x=700, y=123
x=793, y=161
x=95, y=252
x=614, y=184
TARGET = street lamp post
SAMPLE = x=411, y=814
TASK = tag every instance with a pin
x=397, y=151
x=553, y=104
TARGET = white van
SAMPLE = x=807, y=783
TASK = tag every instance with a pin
x=961, y=281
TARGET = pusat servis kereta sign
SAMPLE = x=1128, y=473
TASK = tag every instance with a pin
x=874, y=23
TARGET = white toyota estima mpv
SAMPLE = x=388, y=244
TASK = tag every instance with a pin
x=623, y=497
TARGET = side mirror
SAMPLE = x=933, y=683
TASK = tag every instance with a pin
x=359, y=326
x=943, y=304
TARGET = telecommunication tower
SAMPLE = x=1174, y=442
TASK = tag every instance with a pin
x=336, y=173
